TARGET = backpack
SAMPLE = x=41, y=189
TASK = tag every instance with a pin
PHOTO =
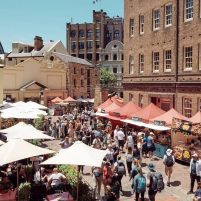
x=157, y=184
x=121, y=170
x=141, y=184
x=169, y=161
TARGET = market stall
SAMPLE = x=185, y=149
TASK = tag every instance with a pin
x=185, y=139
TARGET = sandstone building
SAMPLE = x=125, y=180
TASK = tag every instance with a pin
x=162, y=48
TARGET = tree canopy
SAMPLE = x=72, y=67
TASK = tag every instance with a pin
x=107, y=78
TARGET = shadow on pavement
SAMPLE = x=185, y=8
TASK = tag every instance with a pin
x=127, y=193
x=175, y=183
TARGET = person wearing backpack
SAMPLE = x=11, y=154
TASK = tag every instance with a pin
x=120, y=169
x=139, y=185
x=154, y=182
x=169, y=162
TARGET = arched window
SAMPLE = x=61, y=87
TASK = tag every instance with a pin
x=106, y=57
x=89, y=33
x=81, y=33
x=114, y=57
x=116, y=34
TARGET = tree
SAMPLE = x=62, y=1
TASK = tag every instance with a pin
x=107, y=78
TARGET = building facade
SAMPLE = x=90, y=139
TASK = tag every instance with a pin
x=1, y=72
x=162, y=54
x=87, y=40
x=112, y=59
x=46, y=75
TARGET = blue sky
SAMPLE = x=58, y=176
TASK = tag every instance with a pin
x=21, y=20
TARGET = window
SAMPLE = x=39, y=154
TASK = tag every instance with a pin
x=156, y=20
x=89, y=57
x=81, y=45
x=114, y=57
x=141, y=100
x=122, y=57
x=168, y=60
x=199, y=104
x=116, y=34
x=89, y=33
x=9, y=59
x=109, y=35
x=168, y=15
x=188, y=10
x=187, y=107
x=73, y=33
x=97, y=44
x=131, y=65
x=89, y=44
x=82, y=71
x=82, y=83
x=141, y=63
x=73, y=45
x=97, y=57
x=106, y=57
x=97, y=33
x=131, y=97
x=155, y=61
x=81, y=33
x=74, y=70
x=75, y=82
x=114, y=70
x=131, y=27
x=188, y=58
x=141, y=24
x=81, y=56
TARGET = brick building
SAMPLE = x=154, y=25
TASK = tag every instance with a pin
x=162, y=48
x=88, y=40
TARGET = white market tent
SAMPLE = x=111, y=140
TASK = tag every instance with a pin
x=142, y=124
x=22, y=112
x=34, y=105
x=24, y=131
x=16, y=150
x=78, y=154
x=1, y=142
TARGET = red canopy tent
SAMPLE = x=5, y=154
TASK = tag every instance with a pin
x=168, y=116
x=111, y=107
x=56, y=100
x=196, y=118
x=124, y=111
x=149, y=112
x=109, y=101
x=69, y=99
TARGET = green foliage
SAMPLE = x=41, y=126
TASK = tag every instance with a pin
x=38, y=123
x=107, y=78
x=24, y=191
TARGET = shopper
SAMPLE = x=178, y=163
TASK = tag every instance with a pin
x=169, y=162
x=129, y=159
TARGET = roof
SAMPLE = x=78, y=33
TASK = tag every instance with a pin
x=66, y=58
x=149, y=112
x=32, y=83
x=56, y=100
x=69, y=99
x=47, y=47
x=111, y=107
x=1, y=49
x=196, y=118
x=125, y=110
x=169, y=115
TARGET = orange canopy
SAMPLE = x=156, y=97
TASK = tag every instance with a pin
x=109, y=101
x=196, y=118
x=168, y=116
x=69, y=99
x=149, y=112
x=111, y=107
x=125, y=110
x=56, y=100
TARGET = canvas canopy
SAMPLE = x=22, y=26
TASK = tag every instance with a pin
x=56, y=100
x=105, y=104
x=169, y=115
x=111, y=107
x=78, y=154
x=196, y=118
x=19, y=104
x=24, y=131
x=81, y=100
x=125, y=110
x=149, y=112
x=69, y=99
x=16, y=150
x=20, y=112
x=34, y=105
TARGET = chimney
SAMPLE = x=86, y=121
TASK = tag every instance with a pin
x=38, y=43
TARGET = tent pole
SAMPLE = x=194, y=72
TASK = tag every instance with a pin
x=78, y=181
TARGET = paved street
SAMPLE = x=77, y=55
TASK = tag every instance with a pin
x=177, y=191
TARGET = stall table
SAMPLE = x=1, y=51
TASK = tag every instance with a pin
x=65, y=196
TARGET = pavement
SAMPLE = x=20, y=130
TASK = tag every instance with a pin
x=180, y=182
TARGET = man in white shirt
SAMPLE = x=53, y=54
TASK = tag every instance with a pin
x=115, y=135
x=121, y=138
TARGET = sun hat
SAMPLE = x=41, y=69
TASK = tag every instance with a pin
x=151, y=166
x=169, y=152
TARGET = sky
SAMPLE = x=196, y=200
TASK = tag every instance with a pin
x=21, y=20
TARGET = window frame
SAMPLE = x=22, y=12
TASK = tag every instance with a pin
x=141, y=25
x=155, y=19
x=131, y=27
x=188, y=58
x=131, y=65
x=166, y=60
x=187, y=113
x=156, y=61
x=185, y=11
x=141, y=62
x=168, y=15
